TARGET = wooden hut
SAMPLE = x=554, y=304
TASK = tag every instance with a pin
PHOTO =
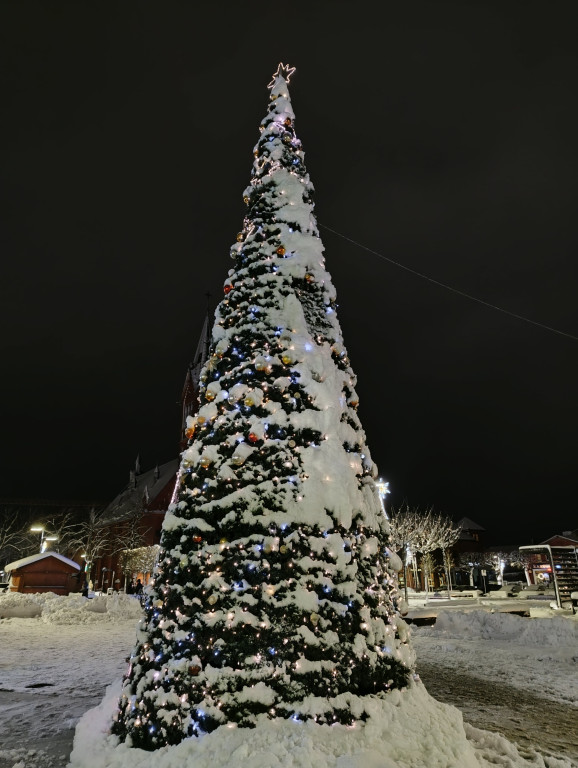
x=45, y=572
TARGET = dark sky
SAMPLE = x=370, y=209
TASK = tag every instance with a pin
x=442, y=135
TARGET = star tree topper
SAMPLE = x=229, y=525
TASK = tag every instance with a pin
x=284, y=71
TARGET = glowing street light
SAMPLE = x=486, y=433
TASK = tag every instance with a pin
x=383, y=490
x=44, y=536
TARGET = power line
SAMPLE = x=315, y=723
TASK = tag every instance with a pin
x=449, y=287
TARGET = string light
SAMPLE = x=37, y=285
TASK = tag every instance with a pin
x=240, y=549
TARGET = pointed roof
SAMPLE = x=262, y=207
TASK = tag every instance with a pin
x=35, y=558
x=202, y=352
x=468, y=525
x=559, y=539
x=133, y=497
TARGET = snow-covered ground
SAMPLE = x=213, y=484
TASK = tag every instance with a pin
x=62, y=660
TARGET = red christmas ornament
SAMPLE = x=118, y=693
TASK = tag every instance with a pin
x=194, y=670
x=287, y=121
x=227, y=288
x=197, y=539
x=253, y=438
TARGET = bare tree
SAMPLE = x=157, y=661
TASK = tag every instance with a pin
x=407, y=535
x=93, y=538
x=446, y=534
x=64, y=526
x=132, y=532
x=140, y=559
x=15, y=538
x=427, y=543
x=422, y=532
x=130, y=538
x=470, y=560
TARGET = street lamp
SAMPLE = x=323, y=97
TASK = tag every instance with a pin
x=383, y=490
x=44, y=537
x=87, y=564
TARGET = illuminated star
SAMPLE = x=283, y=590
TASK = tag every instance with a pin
x=284, y=71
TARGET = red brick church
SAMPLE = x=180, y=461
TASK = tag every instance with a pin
x=146, y=498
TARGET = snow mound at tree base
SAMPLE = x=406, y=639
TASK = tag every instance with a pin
x=408, y=729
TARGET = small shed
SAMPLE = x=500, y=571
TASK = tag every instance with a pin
x=45, y=572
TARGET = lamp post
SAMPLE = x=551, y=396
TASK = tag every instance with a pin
x=44, y=537
x=87, y=566
x=383, y=490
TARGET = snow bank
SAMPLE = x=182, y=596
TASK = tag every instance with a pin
x=409, y=729
x=485, y=625
x=51, y=608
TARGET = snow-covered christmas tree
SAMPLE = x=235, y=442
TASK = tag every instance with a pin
x=274, y=594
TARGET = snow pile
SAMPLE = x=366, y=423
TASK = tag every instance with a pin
x=69, y=609
x=405, y=730
x=485, y=625
x=409, y=729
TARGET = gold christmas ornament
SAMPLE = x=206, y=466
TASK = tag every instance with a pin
x=189, y=432
x=246, y=199
x=205, y=461
x=286, y=359
x=314, y=617
x=212, y=599
x=240, y=237
x=281, y=250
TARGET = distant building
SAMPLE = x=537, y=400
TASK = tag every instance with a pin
x=553, y=564
x=45, y=572
x=564, y=539
x=141, y=506
x=471, y=536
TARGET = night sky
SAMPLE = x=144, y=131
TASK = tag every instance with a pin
x=441, y=135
